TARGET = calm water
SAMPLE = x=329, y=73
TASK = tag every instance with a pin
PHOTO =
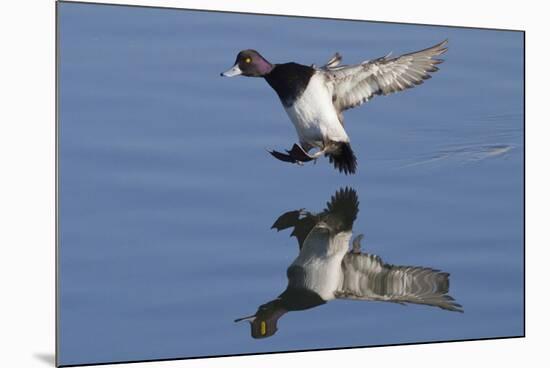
x=167, y=193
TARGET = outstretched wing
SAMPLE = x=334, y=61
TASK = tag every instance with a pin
x=355, y=84
x=333, y=62
x=366, y=277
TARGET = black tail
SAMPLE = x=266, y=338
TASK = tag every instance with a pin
x=343, y=158
x=342, y=210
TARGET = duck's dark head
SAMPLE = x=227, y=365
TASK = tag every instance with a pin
x=264, y=322
x=250, y=64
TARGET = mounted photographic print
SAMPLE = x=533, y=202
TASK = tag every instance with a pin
x=233, y=184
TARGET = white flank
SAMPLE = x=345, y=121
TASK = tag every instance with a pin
x=314, y=116
x=321, y=259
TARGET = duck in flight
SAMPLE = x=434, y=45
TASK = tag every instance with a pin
x=316, y=97
x=327, y=268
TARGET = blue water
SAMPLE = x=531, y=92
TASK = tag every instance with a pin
x=167, y=193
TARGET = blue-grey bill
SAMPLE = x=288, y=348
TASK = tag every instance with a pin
x=232, y=72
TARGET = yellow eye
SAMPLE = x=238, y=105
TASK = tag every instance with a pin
x=247, y=60
x=262, y=324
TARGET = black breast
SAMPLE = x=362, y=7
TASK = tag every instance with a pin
x=289, y=81
x=295, y=299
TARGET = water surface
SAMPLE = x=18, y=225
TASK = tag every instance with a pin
x=167, y=193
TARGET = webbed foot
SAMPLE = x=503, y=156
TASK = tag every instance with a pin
x=296, y=155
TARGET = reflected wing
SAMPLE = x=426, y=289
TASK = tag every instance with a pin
x=367, y=277
x=355, y=84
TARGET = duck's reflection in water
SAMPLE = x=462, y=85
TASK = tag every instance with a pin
x=327, y=269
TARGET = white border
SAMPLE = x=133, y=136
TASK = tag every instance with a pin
x=27, y=185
